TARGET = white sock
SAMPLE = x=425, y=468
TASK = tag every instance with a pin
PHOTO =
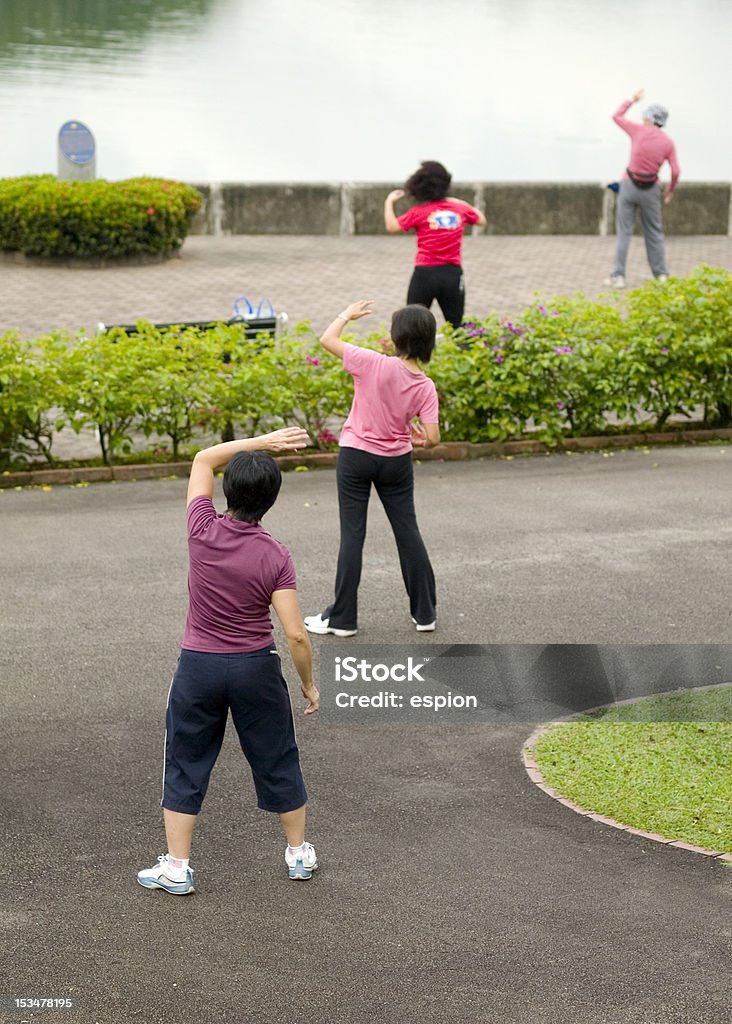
x=178, y=864
x=298, y=850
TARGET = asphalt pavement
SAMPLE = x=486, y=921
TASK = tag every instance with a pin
x=451, y=888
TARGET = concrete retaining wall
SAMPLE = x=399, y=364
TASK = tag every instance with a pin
x=511, y=208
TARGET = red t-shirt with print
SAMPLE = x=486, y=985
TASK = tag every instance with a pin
x=439, y=227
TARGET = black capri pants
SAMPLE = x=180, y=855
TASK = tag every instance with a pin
x=446, y=284
x=204, y=689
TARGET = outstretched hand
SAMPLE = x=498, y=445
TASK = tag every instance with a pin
x=287, y=439
x=358, y=309
x=637, y=95
x=397, y=193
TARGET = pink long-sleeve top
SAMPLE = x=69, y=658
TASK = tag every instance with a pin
x=649, y=147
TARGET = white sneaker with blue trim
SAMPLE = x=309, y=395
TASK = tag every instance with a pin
x=165, y=876
x=302, y=861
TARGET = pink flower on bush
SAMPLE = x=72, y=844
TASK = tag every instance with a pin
x=513, y=328
x=499, y=358
x=325, y=437
x=312, y=360
x=150, y=211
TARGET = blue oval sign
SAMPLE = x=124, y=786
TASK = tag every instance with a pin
x=76, y=142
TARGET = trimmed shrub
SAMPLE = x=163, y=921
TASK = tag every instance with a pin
x=551, y=371
x=31, y=389
x=106, y=377
x=179, y=370
x=41, y=216
x=308, y=386
x=677, y=350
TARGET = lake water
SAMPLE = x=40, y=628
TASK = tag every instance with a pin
x=328, y=90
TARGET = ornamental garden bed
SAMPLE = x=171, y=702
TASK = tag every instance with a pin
x=94, y=223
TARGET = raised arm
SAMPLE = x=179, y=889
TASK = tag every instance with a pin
x=208, y=460
x=619, y=116
x=331, y=338
x=390, y=218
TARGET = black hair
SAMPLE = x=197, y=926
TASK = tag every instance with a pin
x=413, y=331
x=252, y=481
x=430, y=183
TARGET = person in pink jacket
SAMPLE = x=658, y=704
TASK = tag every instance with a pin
x=640, y=190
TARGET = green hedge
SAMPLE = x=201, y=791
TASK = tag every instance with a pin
x=41, y=216
x=566, y=365
x=564, y=368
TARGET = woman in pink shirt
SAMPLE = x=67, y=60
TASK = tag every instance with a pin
x=439, y=222
x=376, y=448
x=639, y=189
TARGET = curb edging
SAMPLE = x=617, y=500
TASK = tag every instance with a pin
x=447, y=451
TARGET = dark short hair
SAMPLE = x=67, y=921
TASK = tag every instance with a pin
x=252, y=481
x=413, y=330
x=430, y=183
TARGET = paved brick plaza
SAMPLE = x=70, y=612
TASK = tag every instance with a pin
x=313, y=277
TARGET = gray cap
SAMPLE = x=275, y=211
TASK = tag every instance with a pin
x=657, y=114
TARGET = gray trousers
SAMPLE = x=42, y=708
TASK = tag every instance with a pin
x=648, y=201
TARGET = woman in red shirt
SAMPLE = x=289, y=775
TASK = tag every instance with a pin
x=439, y=222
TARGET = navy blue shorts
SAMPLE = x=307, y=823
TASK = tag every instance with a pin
x=204, y=688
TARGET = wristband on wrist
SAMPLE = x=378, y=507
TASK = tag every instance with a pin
x=342, y=316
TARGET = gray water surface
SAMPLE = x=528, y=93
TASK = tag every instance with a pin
x=273, y=90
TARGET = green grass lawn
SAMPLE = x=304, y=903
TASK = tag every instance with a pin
x=662, y=764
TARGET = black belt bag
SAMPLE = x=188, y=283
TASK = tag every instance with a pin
x=642, y=180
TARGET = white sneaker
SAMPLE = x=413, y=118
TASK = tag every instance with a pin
x=302, y=864
x=164, y=876
x=615, y=281
x=662, y=278
x=317, y=624
x=428, y=627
